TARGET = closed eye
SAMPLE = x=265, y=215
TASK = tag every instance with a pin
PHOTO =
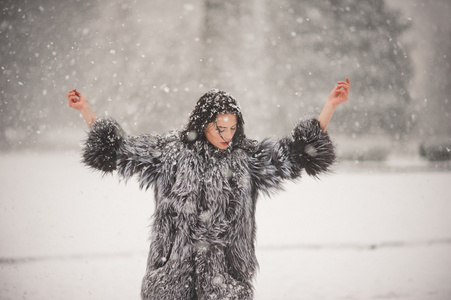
x=222, y=128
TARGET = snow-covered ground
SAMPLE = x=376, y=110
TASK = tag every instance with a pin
x=365, y=232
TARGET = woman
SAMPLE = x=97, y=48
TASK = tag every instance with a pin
x=206, y=180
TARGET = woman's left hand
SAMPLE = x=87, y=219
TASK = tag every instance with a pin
x=340, y=93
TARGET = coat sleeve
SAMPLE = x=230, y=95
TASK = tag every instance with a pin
x=308, y=148
x=108, y=148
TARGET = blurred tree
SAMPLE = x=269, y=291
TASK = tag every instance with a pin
x=436, y=109
x=316, y=43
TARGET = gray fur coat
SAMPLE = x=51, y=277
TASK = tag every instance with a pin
x=203, y=231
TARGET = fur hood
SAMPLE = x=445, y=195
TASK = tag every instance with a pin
x=203, y=230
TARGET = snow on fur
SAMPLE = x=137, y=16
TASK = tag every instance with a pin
x=203, y=231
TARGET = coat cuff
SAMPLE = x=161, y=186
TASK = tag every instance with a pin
x=100, y=148
x=312, y=148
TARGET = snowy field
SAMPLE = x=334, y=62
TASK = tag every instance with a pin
x=365, y=232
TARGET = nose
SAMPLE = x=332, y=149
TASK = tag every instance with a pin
x=227, y=135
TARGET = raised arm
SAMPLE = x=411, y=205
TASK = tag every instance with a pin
x=79, y=102
x=337, y=96
x=309, y=148
x=108, y=147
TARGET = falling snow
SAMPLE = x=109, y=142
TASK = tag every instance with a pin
x=145, y=63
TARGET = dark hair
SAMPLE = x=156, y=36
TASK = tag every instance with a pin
x=208, y=106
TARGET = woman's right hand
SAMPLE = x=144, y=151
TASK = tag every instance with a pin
x=80, y=103
x=77, y=100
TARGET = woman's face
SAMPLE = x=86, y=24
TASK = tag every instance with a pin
x=221, y=132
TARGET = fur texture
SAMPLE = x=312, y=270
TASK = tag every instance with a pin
x=203, y=231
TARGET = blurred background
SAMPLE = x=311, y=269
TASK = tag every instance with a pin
x=147, y=62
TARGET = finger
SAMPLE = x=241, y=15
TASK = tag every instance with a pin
x=71, y=93
x=345, y=86
x=343, y=83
